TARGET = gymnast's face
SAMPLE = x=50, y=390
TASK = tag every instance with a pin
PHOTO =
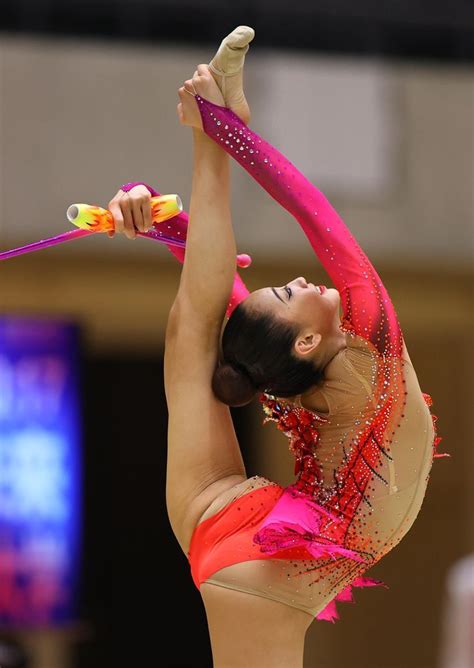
x=312, y=309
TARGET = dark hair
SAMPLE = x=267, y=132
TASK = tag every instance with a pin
x=257, y=356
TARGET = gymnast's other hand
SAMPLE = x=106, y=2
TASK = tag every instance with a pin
x=202, y=84
x=131, y=212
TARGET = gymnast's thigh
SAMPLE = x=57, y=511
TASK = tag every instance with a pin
x=241, y=606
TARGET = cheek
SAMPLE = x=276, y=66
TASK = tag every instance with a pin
x=328, y=306
x=321, y=309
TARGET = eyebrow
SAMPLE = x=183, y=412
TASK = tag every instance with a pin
x=277, y=295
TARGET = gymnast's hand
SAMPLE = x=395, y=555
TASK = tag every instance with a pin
x=131, y=212
x=201, y=84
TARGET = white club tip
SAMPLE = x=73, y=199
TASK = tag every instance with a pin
x=72, y=213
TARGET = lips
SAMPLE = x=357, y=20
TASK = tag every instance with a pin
x=319, y=288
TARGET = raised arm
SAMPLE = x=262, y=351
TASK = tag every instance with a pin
x=367, y=308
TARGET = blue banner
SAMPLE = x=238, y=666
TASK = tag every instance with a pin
x=40, y=472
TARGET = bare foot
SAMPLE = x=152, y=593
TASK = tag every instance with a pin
x=227, y=69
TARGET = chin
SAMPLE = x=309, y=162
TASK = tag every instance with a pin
x=334, y=298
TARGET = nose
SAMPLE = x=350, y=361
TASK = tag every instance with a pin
x=301, y=281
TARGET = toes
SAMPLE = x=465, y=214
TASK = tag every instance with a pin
x=240, y=37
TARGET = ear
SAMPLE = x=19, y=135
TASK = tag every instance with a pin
x=307, y=343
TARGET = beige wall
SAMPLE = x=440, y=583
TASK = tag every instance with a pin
x=390, y=144
x=76, y=120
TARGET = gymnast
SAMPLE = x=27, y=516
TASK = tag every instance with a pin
x=331, y=369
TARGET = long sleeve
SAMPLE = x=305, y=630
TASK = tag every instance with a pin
x=367, y=308
x=177, y=228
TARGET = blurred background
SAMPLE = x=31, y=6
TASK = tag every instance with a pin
x=374, y=103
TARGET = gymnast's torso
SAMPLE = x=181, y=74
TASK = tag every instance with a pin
x=370, y=467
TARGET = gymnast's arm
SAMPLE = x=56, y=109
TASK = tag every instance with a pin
x=367, y=308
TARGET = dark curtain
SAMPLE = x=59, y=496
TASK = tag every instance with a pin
x=137, y=593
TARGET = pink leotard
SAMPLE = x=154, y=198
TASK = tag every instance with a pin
x=362, y=467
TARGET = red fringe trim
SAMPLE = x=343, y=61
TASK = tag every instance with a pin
x=330, y=614
x=437, y=439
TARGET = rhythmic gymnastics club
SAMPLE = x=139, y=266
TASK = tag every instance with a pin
x=93, y=219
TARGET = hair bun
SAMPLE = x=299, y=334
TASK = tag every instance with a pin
x=232, y=386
